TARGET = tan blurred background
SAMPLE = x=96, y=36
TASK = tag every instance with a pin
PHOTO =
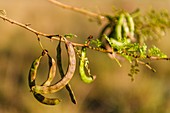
x=112, y=92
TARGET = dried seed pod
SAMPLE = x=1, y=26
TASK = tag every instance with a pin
x=84, y=77
x=52, y=71
x=59, y=64
x=33, y=71
x=44, y=100
x=65, y=80
x=31, y=81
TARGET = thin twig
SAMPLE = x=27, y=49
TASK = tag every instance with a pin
x=50, y=36
x=57, y=37
x=157, y=58
x=80, y=10
x=27, y=27
x=147, y=65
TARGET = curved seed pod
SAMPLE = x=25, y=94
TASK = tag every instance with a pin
x=33, y=71
x=52, y=71
x=108, y=26
x=45, y=100
x=65, y=80
x=131, y=24
x=125, y=28
x=31, y=81
x=118, y=28
x=59, y=64
x=84, y=77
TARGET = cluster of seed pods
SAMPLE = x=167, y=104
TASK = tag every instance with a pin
x=48, y=88
x=120, y=28
x=124, y=27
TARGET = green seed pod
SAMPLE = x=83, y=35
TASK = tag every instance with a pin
x=84, y=77
x=68, y=76
x=125, y=29
x=59, y=64
x=118, y=28
x=131, y=24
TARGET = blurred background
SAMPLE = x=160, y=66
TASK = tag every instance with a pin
x=111, y=92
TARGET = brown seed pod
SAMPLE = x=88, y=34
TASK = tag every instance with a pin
x=31, y=81
x=59, y=64
x=52, y=71
x=65, y=80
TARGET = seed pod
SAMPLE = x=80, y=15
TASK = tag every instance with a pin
x=31, y=81
x=65, y=80
x=131, y=24
x=44, y=100
x=33, y=71
x=125, y=28
x=59, y=64
x=108, y=26
x=52, y=71
x=118, y=28
x=84, y=77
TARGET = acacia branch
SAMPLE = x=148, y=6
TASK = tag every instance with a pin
x=25, y=26
x=49, y=36
x=57, y=37
x=80, y=10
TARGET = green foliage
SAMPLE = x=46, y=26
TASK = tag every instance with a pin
x=134, y=69
x=151, y=26
x=97, y=42
x=154, y=51
x=126, y=34
x=70, y=35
